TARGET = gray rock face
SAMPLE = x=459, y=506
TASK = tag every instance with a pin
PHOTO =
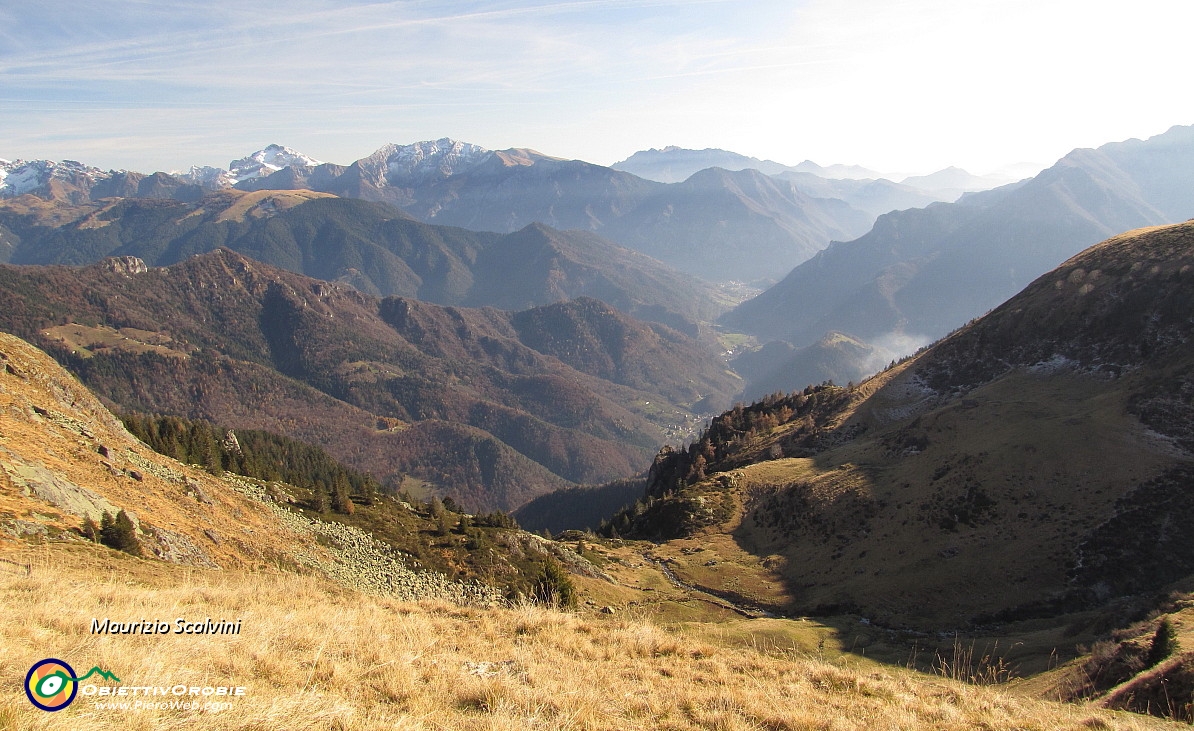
x=37, y=480
x=126, y=265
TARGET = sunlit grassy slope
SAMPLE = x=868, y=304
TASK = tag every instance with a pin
x=312, y=655
x=1025, y=467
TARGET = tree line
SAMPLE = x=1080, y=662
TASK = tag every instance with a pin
x=259, y=454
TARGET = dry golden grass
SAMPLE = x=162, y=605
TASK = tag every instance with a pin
x=247, y=204
x=314, y=655
x=82, y=340
x=50, y=422
x=1051, y=453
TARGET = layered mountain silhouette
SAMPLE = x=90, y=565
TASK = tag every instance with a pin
x=873, y=197
x=373, y=247
x=676, y=164
x=719, y=227
x=920, y=273
x=952, y=182
x=1036, y=462
x=491, y=407
x=742, y=225
x=866, y=190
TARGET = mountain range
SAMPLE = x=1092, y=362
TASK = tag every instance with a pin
x=1028, y=472
x=730, y=217
x=676, y=164
x=920, y=273
x=1033, y=464
x=488, y=406
x=861, y=303
x=370, y=246
x=742, y=219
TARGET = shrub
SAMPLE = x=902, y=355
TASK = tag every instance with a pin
x=553, y=586
x=90, y=530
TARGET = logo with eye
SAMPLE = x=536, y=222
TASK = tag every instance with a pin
x=51, y=684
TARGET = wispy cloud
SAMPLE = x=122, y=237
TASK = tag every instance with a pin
x=848, y=79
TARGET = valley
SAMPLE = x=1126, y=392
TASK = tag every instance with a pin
x=722, y=497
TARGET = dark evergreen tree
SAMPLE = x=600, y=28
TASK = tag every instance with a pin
x=119, y=533
x=1164, y=643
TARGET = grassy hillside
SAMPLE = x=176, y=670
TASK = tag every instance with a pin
x=1031, y=465
x=65, y=460
x=339, y=630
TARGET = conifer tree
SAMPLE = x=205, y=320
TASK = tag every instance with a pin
x=1164, y=643
x=119, y=533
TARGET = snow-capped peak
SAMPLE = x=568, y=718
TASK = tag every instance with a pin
x=20, y=176
x=443, y=157
x=206, y=177
x=268, y=161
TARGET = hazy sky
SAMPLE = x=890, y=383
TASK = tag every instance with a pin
x=895, y=85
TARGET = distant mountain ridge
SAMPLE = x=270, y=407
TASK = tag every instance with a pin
x=373, y=247
x=920, y=273
x=718, y=226
x=951, y=182
x=676, y=164
x=454, y=183
x=735, y=229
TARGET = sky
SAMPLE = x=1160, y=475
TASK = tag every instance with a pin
x=893, y=85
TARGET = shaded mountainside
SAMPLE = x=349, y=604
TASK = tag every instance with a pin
x=579, y=508
x=716, y=224
x=740, y=225
x=920, y=273
x=1038, y=461
x=594, y=338
x=373, y=247
x=395, y=386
